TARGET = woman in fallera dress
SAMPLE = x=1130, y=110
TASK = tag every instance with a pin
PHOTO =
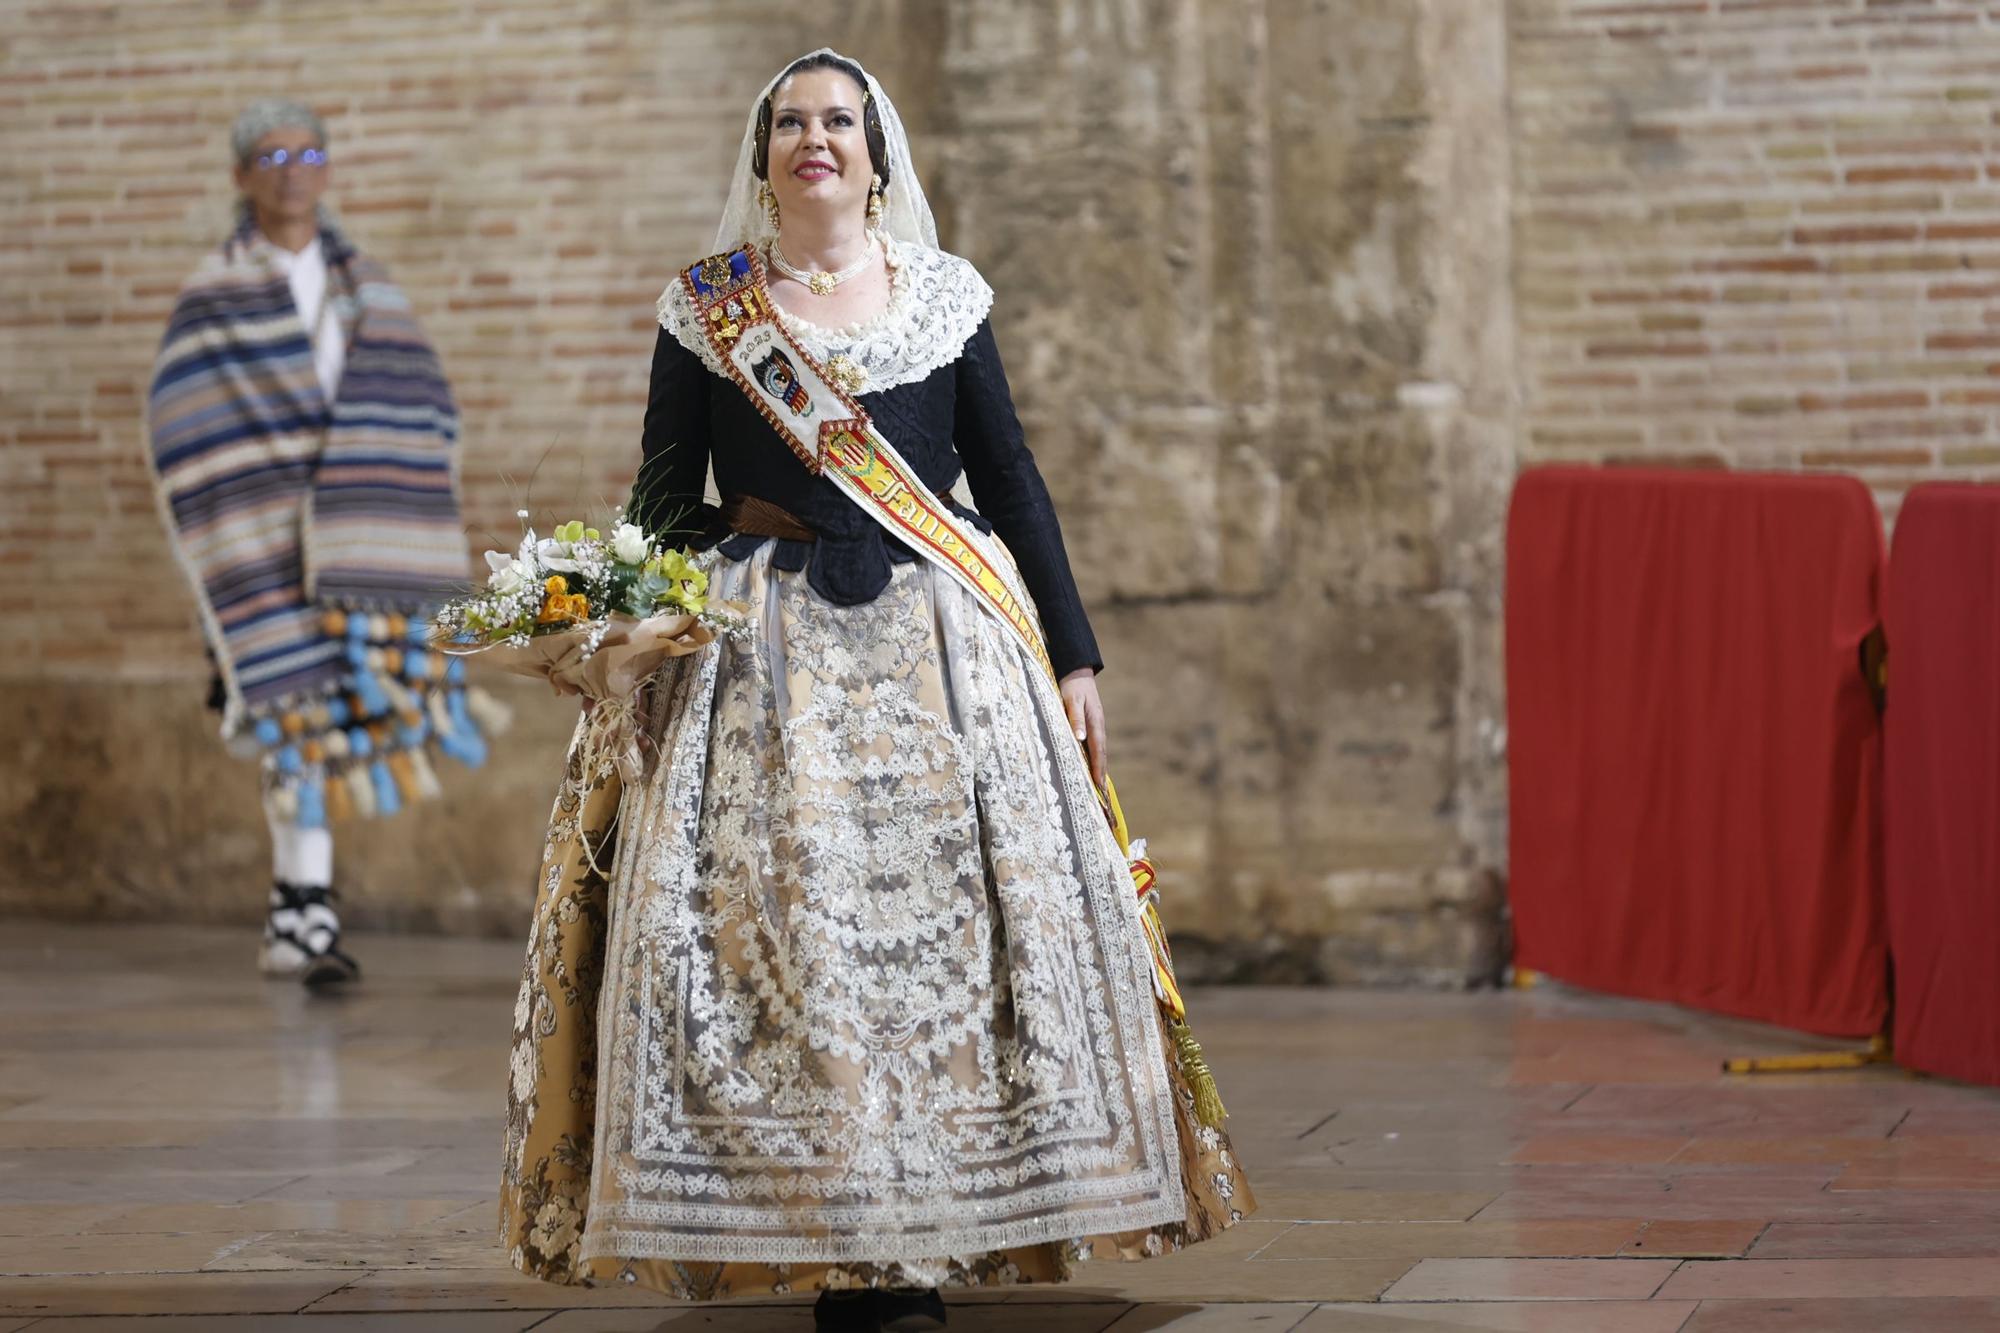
x=848, y=993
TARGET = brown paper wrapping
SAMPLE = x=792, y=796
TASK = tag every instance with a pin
x=630, y=651
x=609, y=677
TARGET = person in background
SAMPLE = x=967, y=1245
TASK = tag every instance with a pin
x=301, y=439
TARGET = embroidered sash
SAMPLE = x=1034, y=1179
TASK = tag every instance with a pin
x=832, y=435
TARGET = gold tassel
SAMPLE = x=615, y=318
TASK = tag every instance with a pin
x=339, y=806
x=1194, y=1068
x=405, y=775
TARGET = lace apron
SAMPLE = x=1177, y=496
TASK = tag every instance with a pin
x=838, y=1000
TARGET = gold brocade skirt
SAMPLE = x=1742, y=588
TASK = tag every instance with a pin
x=824, y=1005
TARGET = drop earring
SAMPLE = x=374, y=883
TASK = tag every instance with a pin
x=874, y=203
x=770, y=202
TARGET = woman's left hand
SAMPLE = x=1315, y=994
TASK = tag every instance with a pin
x=1086, y=718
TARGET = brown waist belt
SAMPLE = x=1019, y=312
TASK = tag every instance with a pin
x=760, y=518
x=748, y=515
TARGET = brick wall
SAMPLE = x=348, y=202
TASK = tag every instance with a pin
x=1285, y=288
x=1252, y=269
x=1760, y=232
x=530, y=173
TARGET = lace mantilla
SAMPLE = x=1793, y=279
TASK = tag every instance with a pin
x=936, y=304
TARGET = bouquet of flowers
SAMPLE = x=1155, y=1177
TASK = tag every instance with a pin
x=594, y=615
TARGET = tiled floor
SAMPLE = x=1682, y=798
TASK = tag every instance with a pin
x=181, y=1139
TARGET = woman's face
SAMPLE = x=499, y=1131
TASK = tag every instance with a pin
x=818, y=157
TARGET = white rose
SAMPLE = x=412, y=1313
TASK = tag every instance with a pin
x=629, y=544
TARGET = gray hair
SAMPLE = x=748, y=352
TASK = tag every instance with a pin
x=267, y=114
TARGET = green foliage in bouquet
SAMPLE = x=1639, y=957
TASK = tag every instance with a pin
x=573, y=579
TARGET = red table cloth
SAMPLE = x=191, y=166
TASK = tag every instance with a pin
x=1695, y=758
x=1943, y=806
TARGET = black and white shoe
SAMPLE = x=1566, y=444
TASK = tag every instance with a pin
x=282, y=954
x=909, y=1309
x=302, y=938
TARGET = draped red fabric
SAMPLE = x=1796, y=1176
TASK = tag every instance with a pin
x=1695, y=757
x=1943, y=800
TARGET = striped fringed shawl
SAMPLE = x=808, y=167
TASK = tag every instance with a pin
x=281, y=504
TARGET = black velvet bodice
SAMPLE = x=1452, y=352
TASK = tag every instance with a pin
x=959, y=418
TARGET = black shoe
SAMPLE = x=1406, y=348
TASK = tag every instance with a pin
x=909, y=1309
x=845, y=1312
x=332, y=968
x=319, y=931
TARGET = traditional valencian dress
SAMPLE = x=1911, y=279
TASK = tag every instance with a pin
x=852, y=989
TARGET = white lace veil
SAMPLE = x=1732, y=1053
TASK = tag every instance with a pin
x=905, y=213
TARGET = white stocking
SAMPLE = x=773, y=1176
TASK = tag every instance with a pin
x=302, y=857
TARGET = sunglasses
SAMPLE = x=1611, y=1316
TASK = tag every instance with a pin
x=278, y=159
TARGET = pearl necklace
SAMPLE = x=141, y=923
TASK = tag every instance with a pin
x=820, y=284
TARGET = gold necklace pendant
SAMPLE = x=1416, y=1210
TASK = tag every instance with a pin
x=819, y=284
x=846, y=374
